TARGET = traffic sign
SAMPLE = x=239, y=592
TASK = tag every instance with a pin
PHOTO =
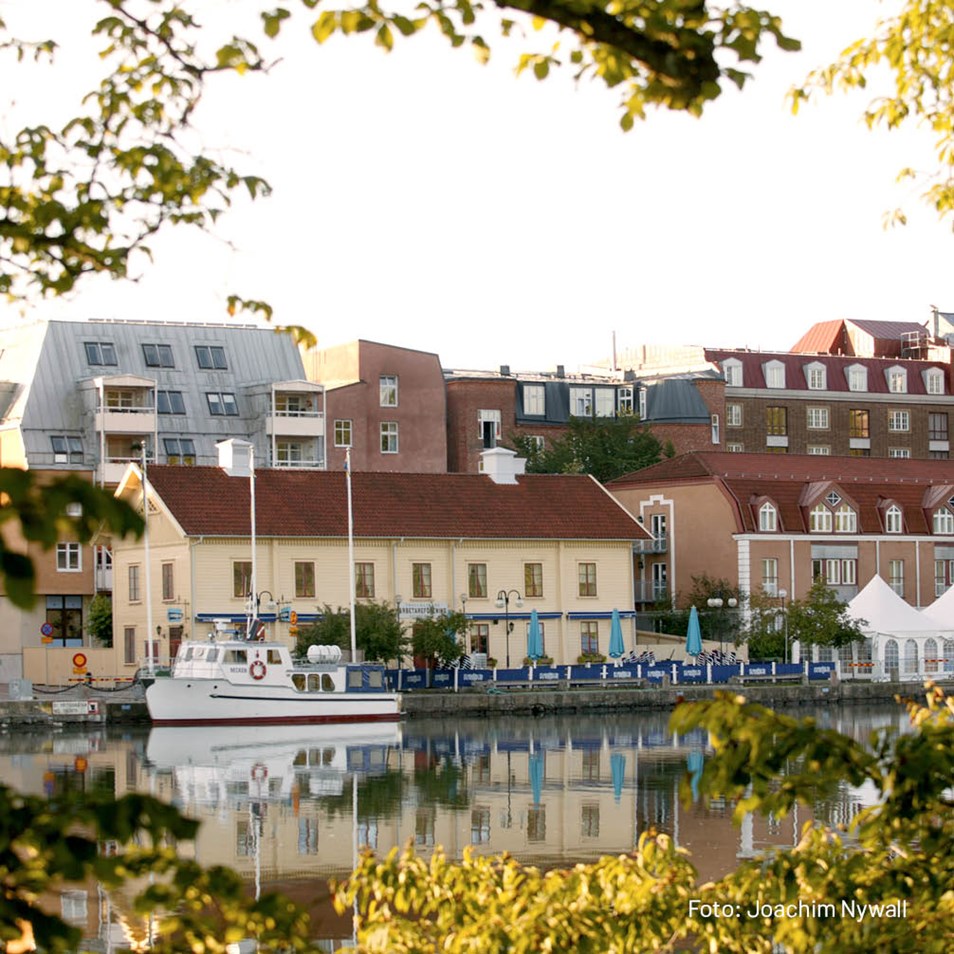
x=46, y=629
x=79, y=660
x=293, y=630
x=284, y=614
x=293, y=617
x=174, y=614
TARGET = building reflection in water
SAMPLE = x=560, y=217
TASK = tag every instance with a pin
x=288, y=806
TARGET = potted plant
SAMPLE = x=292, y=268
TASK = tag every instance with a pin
x=584, y=659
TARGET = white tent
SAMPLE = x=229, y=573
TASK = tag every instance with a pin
x=903, y=639
x=941, y=611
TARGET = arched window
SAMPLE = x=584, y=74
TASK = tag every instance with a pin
x=897, y=380
x=732, y=369
x=819, y=519
x=890, y=655
x=930, y=655
x=910, y=656
x=768, y=518
x=943, y=521
x=948, y=653
x=846, y=520
x=893, y=519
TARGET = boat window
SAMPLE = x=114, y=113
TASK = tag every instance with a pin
x=298, y=681
x=301, y=758
x=375, y=679
x=188, y=655
x=212, y=655
x=313, y=682
x=327, y=683
x=274, y=657
x=235, y=656
x=354, y=678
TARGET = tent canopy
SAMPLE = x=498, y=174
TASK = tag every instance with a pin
x=885, y=612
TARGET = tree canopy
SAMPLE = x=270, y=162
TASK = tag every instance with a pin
x=377, y=630
x=822, y=619
x=604, y=447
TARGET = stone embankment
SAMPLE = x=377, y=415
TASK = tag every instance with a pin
x=89, y=706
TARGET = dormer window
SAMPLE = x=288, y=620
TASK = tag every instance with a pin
x=732, y=369
x=774, y=374
x=819, y=519
x=857, y=377
x=893, y=519
x=846, y=520
x=897, y=380
x=833, y=499
x=816, y=377
x=944, y=521
x=768, y=518
x=934, y=381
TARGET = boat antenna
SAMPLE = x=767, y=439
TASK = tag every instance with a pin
x=354, y=641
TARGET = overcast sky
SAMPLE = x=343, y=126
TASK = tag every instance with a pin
x=425, y=201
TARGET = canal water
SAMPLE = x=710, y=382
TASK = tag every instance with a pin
x=289, y=807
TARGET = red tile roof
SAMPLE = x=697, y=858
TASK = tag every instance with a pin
x=794, y=483
x=309, y=503
x=753, y=375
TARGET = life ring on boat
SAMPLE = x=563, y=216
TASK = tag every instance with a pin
x=257, y=670
x=259, y=772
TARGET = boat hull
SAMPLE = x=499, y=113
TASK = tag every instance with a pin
x=193, y=701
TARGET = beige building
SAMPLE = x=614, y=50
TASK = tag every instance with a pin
x=430, y=543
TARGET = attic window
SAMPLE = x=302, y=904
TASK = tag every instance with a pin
x=893, y=520
x=768, y=518
x=833, y=499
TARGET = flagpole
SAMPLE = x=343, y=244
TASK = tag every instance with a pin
x=354, y=642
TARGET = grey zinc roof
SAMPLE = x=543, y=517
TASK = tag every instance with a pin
x=675, y=401
x=49, y=360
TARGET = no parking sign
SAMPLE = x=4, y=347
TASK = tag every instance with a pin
x=79, y=663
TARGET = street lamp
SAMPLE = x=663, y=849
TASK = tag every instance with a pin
x=503, y=602
x=782, y=594
x=252, y=608
x=716, y=602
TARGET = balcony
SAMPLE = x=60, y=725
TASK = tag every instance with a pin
x=295, y=424
x=658, y=545
x=648, y=591
x=126, y=420
x=111, y=471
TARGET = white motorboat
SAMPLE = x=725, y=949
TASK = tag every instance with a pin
x=237, y=681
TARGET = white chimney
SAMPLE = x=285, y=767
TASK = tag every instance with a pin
x=235, y=457
x=501, y=465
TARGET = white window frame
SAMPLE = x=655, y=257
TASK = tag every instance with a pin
x=714, y=425
x=816, y=377
x=604, y=402
x=581, y=401
x=934, y=381
x=899, y=453
x=899, y=422
x=624, y=399
x=896, y=576
x=857, y=376
x=733, y=415
x=770, y=576
x=534, y=400
x=643, y=399
x=846, y=519
x=818, y=418
x=774, y=372
x=819, y=519
x=768, y=518
x=735, y=447
x=343, y=424
x=390, y=437
x=897, y=378
x=388, y=390
x=732, y=372
x=819, y=450
x=893, y=519
x=69, y=558
x=942, y=522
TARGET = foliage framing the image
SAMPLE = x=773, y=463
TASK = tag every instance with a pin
x=899, y=849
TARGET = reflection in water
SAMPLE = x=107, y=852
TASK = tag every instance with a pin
x=287, y=807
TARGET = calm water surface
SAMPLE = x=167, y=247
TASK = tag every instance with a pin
x=289, y=807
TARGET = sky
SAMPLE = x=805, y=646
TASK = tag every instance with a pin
x=426, y=201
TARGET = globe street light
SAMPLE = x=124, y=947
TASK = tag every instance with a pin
x=716, y=602
x=503, y=602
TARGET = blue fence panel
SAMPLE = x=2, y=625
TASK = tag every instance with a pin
x=512, y=675
x=723, y=673
x=692, y=673
x=468, y=677
x=820, y=670
x=586, y=672
x=442, y=678
x=758, y=669
x=391, y=679
x=414, y=679
x=789, y=669
x=656, y=673
x=625, y=673
x=547, y=674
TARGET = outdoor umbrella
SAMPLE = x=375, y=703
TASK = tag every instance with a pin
x=534, y=637
x=618, y=771
x=694, y=763
x=536, y=776
x=616, y=647
x=693, y=634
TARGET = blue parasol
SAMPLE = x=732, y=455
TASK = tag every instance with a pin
x=693, y=634
x=534, y=637
x=536, y=776
x=618, y=771
x=616, y=647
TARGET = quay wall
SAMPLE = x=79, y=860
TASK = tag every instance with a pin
x=516, y=701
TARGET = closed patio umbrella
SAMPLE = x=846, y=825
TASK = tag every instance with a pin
x=694, y=634
x=534, y=637
x=616, y=647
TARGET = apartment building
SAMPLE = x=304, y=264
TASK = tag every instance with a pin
x=384, y=402
x=775, y=524
x=88, y=397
